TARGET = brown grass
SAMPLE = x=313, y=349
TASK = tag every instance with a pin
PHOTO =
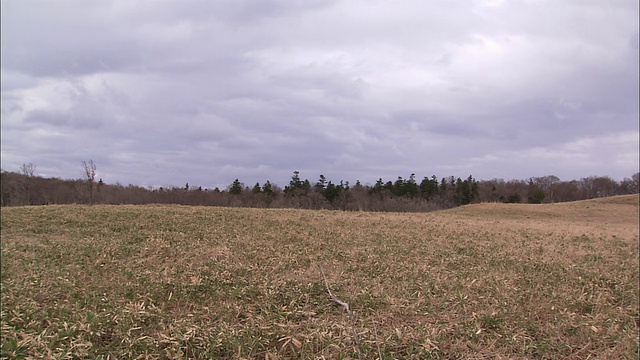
x=480, y=281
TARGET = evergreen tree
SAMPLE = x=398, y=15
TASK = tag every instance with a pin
x=267, y=189
x=443, y=185
x=429, y=187
x=306, y=186
x=377, y=188
x=296, y=186
x=331, y=192
x=410, y=186
x=536, y=194
x=345, y=185
x=465, y=191
x=236, y=187
x=388, y=186
x=398, y=188
x=475, y=192
x=320, y=185
x=513, y=199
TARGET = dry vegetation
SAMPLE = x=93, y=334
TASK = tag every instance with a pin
x=480, y=281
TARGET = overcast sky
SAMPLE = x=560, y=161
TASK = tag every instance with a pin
x=166, y=92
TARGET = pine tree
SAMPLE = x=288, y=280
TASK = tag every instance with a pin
x=321, y=184
x=267, y=189
x=236, y=187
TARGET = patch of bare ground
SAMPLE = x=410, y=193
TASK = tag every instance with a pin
x=480, y=281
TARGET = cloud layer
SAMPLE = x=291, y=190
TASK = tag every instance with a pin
x=164, y=93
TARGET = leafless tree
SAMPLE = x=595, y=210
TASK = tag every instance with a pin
x=89, y=170
x=548, y=185
x=598, y=186
x=631, y=186
x=28, y=169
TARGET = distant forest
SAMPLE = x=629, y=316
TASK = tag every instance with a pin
x=402, y=194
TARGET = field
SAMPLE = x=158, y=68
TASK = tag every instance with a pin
x=482, y=281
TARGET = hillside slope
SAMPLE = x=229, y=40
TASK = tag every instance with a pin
x=601, y=216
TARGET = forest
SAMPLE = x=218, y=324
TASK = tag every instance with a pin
x=402, y=194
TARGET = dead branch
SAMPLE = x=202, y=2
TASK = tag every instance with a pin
x=346, y=307
x=375, y=331
x=580, y=353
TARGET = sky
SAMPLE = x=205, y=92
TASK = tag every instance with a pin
x=163, y=93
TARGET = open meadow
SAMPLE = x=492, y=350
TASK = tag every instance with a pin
x=480, y=281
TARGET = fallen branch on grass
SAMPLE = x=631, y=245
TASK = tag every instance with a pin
x=375, y=331
x=346, y=306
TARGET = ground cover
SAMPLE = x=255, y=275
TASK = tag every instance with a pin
x=479, y=281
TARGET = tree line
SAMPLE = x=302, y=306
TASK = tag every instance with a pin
x=402, y=194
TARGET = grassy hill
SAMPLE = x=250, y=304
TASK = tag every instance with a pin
x=479, y=281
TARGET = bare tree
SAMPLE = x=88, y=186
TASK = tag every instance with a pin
x=598, y=186
x=631, y=186
x=28, y=169
x=548, y=185
x=89, y=169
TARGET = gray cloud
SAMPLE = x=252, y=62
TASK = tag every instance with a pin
x=164, y=93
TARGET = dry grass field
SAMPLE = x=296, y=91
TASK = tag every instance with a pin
x=485, y=281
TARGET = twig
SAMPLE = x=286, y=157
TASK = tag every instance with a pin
x=346, y=307
x=375, y=332
x=581, y=352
